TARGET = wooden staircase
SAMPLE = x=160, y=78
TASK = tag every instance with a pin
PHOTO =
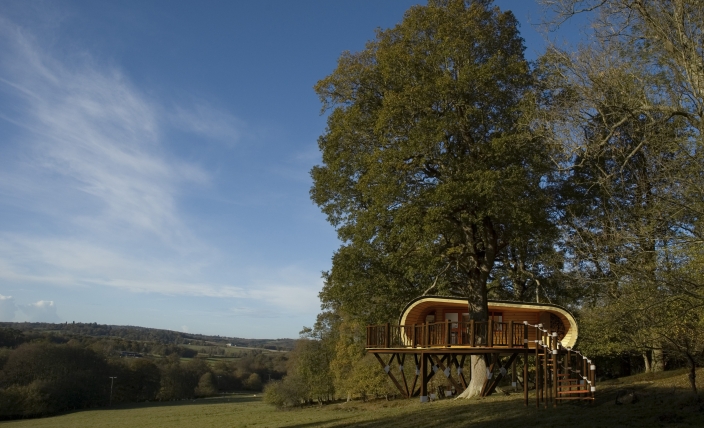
x=561, y=373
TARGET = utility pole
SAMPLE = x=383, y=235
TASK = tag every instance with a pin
x=112, y=379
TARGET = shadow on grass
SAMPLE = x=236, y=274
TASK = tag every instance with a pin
x=654, y=406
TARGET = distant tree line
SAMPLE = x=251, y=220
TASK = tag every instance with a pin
x=45, y=374
x=146, y=334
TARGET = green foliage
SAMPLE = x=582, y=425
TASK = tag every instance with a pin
x=206, y=386
x=430, y=167
x=253, y=382
x=291, y=391
x=367, y=379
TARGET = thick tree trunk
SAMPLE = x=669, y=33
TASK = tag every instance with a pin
x=646, y=361
x=476, y=383
x=478, y=311
x=658, y=360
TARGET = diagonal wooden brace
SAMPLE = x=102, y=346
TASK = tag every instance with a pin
x=489, y=389
x=391, y=375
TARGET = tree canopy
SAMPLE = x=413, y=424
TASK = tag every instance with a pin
x=431, y=169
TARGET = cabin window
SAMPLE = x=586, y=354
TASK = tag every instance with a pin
x=453, y=318
x=430, y=318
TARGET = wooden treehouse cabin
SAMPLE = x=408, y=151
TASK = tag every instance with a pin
x=438, y=335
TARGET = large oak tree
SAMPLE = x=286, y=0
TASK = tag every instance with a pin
x=430, y=167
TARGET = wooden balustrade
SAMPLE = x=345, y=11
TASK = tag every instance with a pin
x=448, y=334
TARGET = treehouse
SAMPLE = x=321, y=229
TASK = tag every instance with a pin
x=432, y=321
x=438, y=333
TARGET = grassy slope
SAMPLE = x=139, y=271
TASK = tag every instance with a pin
x=663, y=400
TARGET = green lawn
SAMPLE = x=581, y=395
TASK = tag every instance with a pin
x=663, y=401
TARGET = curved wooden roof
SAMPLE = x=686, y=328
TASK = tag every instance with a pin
x=415, y=308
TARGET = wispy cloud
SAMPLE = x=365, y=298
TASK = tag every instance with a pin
x=89, y=131
x=210, y=122
x=87, y=155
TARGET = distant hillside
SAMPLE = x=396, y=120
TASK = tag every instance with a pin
x=167, y=337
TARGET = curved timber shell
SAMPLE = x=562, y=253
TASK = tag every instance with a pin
x=438, y=308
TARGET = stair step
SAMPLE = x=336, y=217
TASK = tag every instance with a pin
x=577, y=391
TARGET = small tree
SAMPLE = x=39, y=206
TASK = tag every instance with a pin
x=206, y=386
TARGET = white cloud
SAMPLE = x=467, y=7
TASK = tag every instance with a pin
x=90, y=135
x=41, y=311
x=210, y=122
x=86, y=154
x=7, y=308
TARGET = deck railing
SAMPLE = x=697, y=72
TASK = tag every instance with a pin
x=448, y=334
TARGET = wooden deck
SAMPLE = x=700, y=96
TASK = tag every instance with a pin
x=560, y=373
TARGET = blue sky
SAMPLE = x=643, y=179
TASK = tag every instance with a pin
x=154, y=158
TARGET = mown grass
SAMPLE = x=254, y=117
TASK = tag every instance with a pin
x=663, y=400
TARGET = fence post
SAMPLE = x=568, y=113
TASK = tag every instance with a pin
x=387, y=336
x=414, y=341
x=510, y=334
x=447, y=333
x=490, y=333
x=525, y=334
x=426, y=334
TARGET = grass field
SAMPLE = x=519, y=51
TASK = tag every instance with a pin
x=663, y=400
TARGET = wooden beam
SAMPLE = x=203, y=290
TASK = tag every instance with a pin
x=443, y=368
x=391, y=375
x=403, y=374
x=461, y=375
x=424, y=378
x=495, y=381
x=415, y=379
x=494, y=357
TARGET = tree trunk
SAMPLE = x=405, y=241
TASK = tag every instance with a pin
x=658, y=360
x=478, y=311
x=692, y=374
x=476, y=383
x=646, y=361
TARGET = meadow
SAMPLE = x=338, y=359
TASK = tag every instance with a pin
x=663, y=399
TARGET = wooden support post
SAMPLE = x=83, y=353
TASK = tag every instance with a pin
x=555, y=371
x=514, y=384
x=546, y=377
x=510, y=334
x=525, y=336
x=525, y=376
x=494, y=360
x=592, y=376
x=538, y=383
x=387, y=336
x=426, y=335
x=414, y=339
x=424, y=378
